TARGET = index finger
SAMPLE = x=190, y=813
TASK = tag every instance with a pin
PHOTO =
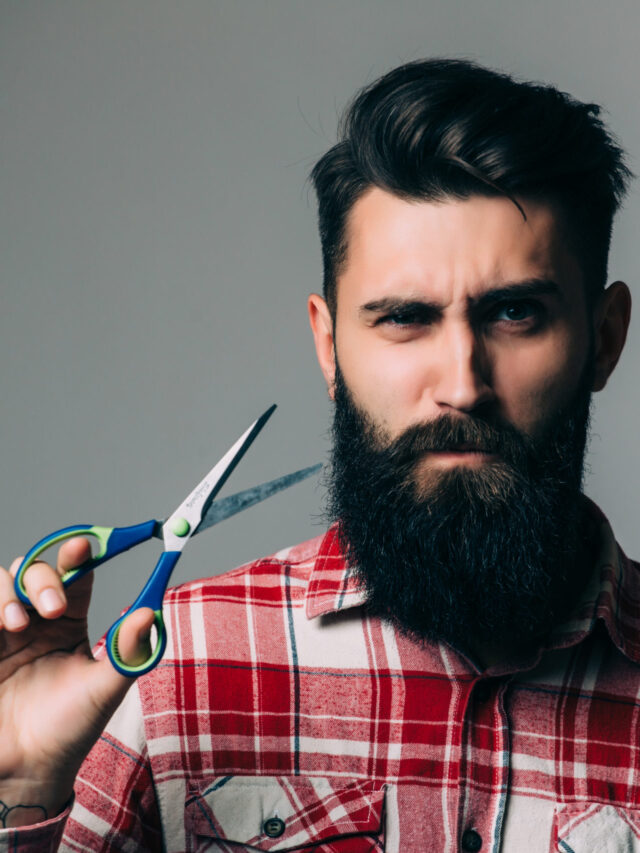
x=73, y=553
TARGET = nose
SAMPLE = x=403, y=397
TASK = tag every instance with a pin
x=463, y=378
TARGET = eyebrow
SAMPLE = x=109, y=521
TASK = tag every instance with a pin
x=526, y=289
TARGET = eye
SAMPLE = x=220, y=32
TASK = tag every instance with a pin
x=411, y=316
x=521, y=313
x=404, y=324
x=404, y=318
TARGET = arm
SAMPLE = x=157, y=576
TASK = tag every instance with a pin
x=114, y=796
x=55, y=699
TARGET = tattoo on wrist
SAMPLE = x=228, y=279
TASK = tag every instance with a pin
x=6, y=810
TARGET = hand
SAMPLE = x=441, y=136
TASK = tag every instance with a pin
x=55, y=699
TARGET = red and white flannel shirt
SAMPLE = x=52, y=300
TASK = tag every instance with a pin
x=282, y=719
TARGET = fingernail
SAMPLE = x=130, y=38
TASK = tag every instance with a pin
x=50, y=600
x=14, y=616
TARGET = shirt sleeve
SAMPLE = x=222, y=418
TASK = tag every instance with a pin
x=115, y=805
x=40, y=838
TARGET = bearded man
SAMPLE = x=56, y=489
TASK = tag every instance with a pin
x=454, y=665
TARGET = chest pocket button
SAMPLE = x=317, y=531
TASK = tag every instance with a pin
x=274, y=827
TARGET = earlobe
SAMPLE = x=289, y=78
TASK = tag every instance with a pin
x=612, y=318
x=321, y=323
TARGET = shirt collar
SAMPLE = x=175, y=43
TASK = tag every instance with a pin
x=612, y=594
x=332, y=584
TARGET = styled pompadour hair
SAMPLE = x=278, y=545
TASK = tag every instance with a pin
x=438, y=129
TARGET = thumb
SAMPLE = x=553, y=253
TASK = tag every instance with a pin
x=134, y=640
x=134, y=648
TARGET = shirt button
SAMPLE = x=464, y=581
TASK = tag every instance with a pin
x=471, y=841
x=274, y=827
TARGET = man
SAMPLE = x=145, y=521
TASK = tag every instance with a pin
x=455, y=665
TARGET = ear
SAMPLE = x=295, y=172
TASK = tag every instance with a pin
x=322, y=328
x=611, y=317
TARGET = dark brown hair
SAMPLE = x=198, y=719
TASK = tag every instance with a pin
x=437, y=129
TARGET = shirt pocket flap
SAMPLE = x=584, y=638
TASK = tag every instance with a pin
x=585, y=827
x=284, y=812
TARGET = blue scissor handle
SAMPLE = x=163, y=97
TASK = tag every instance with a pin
x=112, y=540
x=151, y=596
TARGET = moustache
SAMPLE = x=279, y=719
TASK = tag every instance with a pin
x=449, y=433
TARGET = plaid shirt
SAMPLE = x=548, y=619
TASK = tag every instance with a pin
x=281, y=718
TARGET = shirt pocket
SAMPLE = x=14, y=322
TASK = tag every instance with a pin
x=233, y=813
x=587, y=827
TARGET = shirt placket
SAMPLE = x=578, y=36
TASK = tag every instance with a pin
x=484, y=767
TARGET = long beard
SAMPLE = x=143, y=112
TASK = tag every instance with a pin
x=484, y=555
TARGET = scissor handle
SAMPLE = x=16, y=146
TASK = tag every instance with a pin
x=151, y=596
x=111, y=540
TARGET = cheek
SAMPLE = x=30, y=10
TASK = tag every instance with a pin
x=386, y=381
x=533, y=386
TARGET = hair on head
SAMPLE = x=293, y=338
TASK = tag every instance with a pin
x=449, y=128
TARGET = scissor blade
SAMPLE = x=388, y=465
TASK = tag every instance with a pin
x=227, y=507
x=195, y=505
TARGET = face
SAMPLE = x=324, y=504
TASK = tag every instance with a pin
x=461, y=360
x=462, y=308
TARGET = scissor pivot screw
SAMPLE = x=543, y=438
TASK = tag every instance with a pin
x=180, y=527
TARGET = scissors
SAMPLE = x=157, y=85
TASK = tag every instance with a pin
x=196, y=513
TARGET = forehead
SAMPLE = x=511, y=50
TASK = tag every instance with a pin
x=452, y=249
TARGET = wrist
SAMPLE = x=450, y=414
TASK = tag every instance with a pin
x=27, y=806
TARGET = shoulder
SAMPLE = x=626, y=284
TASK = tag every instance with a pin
x=291, y=566
x=613, y=593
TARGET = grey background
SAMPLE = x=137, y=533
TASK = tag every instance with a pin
x=157, y=243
